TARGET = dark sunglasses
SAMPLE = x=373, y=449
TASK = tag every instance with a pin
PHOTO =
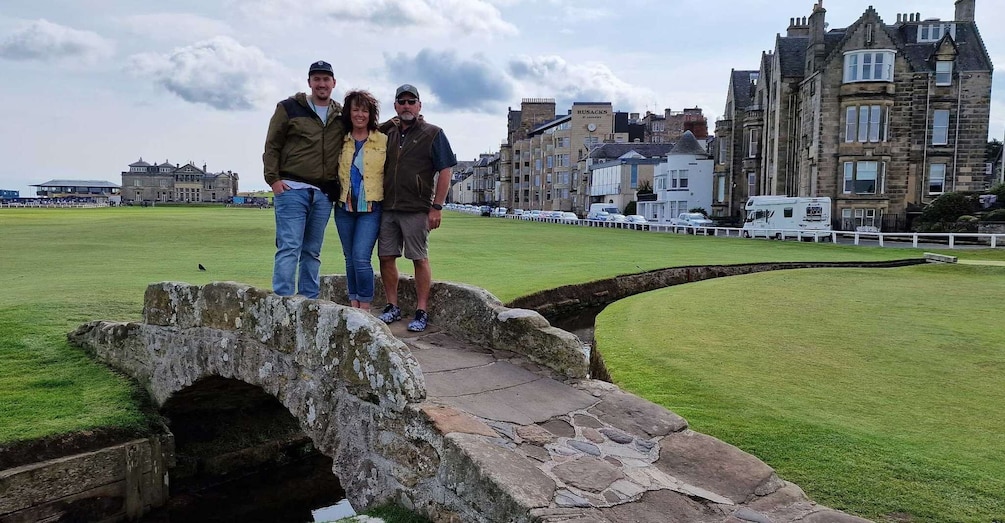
x=408, y=101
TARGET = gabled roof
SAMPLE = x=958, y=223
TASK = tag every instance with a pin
x=688, y=144
x=791, y=52
x=617, y=150
x=742, y=93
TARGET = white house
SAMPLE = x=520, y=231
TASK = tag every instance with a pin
x=682, y=182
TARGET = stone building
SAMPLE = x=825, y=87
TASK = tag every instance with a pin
x=671, y=125
x=882, y=118
x=169, y=182
x=544, y=162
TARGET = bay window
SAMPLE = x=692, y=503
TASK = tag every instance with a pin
x=868, y=66
x=866, y=123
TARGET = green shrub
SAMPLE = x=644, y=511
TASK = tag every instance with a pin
x=945, y=209
x=997, y=215
x=966, y=218
x=998, y=190
x=630, y=208
x=699, y=209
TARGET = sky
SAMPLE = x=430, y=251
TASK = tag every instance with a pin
x=90, y=86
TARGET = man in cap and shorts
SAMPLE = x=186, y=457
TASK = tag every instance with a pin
x=416, y=180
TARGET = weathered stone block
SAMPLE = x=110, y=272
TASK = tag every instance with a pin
x=222, y=305
x=635, y=415
x=712, y=464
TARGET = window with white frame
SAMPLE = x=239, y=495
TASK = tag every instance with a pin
x=934, y=31
x=660, y=183
x=865, y=123
x=723, y=150
x=851, y=219
x=940, y=127
x=683, y=178
x=937, y=178
x=751, y=184
x=868, y=66
x=944, y=72
x=862, y=177
x=753, y=142
x=720, y=191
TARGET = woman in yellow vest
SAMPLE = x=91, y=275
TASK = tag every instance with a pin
x=357, y=213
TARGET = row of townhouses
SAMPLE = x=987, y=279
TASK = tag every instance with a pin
x=882, y=118
x=169, y=182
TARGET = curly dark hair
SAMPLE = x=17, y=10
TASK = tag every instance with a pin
x=362, y=99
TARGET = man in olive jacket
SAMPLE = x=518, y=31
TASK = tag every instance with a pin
x=417, y=154
x=301, y=157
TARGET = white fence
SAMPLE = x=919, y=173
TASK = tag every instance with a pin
x=49, y=205
x=883, y=239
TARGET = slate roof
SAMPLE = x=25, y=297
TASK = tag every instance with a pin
x=688, y=145
x=139, y=163
x=792, y=55
x=617, y=150
x=742, y=94
x=972, y=52
x=77, y=183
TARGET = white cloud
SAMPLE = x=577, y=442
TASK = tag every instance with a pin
x=42, y=40
x=219, y=72
x=166, y=27
x=422, y=16
x=552, y=76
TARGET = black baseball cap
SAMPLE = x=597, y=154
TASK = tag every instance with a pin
x=407, y=88
x=321, y=66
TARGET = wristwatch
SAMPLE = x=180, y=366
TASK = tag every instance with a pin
x=437, y=206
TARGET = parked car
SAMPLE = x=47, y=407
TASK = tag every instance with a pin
x=694, y=220
x=498, y=212
x=616, y=218
x=485, y=210
x=569, y=217
x=638, y=221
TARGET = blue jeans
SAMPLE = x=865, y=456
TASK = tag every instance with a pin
x=301, y=218
x=358, y=234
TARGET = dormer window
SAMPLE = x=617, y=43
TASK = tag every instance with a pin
x=934, y=31
x=868, y=66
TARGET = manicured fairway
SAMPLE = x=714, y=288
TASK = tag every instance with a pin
x=61, y=268
x=881, y=392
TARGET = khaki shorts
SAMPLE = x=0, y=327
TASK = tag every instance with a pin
x=408, y=230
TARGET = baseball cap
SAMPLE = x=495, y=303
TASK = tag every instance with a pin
x=407, y=88
x=321, y=66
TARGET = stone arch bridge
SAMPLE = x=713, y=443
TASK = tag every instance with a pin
x=489, y=416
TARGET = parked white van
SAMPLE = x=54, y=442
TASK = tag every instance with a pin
x=597, y=208
x=783, y=217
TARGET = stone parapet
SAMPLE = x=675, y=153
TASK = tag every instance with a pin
x=476, y=316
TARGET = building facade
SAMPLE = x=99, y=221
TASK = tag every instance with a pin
x=671, y=125
x=98, y=190
x=882, y=118
x=681, y=182
x=169, y=182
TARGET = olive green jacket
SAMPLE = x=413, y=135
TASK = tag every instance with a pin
x=299, y=148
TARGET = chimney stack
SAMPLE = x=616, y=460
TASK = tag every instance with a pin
x=965, y=10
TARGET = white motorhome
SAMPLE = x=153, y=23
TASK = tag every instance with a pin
x=783, y=217
x=600, y=211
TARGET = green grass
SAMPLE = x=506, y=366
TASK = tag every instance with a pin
x=877, y=391
x=62, y=268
